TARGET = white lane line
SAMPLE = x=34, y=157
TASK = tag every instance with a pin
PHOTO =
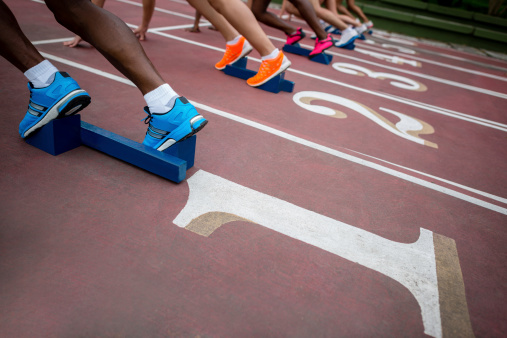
x=416, y=104
x=312, y=145
x=449, y=56
x=424, y=76
x=158, y=9
x=436, y=63
x=171, y=28
x=88, y=69
x=461, y=186
x=452, y=112
x=45, y=42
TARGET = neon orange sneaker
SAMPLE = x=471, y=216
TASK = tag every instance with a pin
x=269, y=69
x=234, y=52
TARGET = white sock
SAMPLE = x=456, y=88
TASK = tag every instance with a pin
x=161, y=99
x=272, y=55
x=235, y=41
x=41, y=75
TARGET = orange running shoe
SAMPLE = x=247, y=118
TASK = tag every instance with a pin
x=269, y=69
x=234, y=52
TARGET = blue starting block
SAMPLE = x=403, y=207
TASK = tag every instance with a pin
x=275, y=85
x=65, y=134
x=297, y=49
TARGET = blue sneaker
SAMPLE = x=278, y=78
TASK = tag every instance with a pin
x=178, y=124
x=61, y=98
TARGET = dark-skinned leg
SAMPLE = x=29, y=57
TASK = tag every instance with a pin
x=111, y=37
x=15, y=46
x=259, y=8
x=307, y=12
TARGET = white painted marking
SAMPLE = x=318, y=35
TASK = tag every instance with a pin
x=400, y=81
x=445, y=65
x=461, y=186
x=412, y=265
x=449, y=56
x=389, y=58
x=158, y=9
x=403, y=128
x=170, y=28
x=45, y=42
x=304, y=142
x=88, y=69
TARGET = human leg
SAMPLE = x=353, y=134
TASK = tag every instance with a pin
x=52, y=94
x=236, y=45
x=351, y=5
x=259, y=9
x=16, y=47
x=307, y=12
x=243, y=20
x=109, y=35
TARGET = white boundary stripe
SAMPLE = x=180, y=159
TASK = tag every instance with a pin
x=88, y=69
x=436, y=63
x=45, y=42
x=449, y=56
x=416, y=104
x=310, y=144
x=504, y=126
x=170, y=28
x=424, y=76
x=158, y=9
x=485, y=194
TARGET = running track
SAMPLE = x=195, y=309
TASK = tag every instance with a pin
x=371, y=201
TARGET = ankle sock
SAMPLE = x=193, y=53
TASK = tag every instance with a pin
x=41, y=75
x=160, y=100
x=235, y=41
x=272, y=55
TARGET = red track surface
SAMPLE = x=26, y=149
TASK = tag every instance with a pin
x=89, y=247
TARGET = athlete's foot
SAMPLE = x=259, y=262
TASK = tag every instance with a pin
x=234, y=52
x=178, y=124
x=269, y=69
x=321, y=46
x=348, y=37
x=62, y=97
x=295, y=37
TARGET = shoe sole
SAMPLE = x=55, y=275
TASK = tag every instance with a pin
x=281, y=70
x=69, y=105
x=243, y=54
x=196, y=124
x=348, y=42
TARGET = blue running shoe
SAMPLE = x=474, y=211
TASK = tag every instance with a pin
x=178, y=124
x=61, y=98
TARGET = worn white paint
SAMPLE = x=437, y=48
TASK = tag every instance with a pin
x=405, y=128
x=412, y=265
x=389, y=58
x=399, y=81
